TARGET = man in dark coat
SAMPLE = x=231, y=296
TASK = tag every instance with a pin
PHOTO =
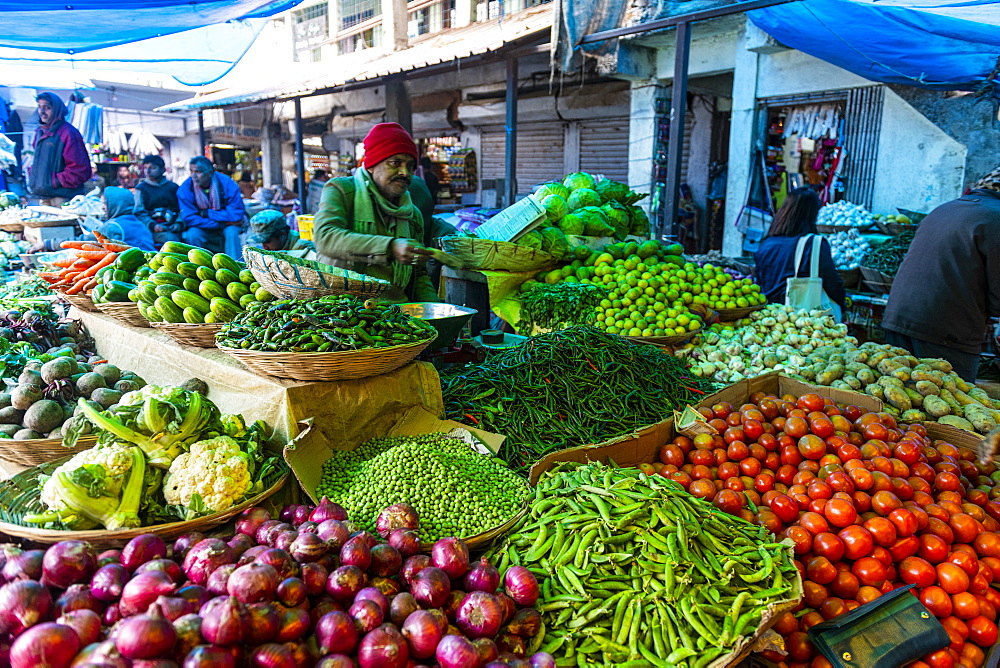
x=948, y=285
x=61, y=164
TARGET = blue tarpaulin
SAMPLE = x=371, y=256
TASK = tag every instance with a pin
x=939, y=44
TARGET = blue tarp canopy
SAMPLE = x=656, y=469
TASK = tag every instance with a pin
x=939, y=44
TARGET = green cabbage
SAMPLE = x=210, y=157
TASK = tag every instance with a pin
x=572, y=224
x=639, y=221
x=595, y=222
x=618, y=217
x=612, y=191
x=555, y=207
x=554, y=188
x=583, y=197
x=578, y=180
x=532, y=240
x=554, y=241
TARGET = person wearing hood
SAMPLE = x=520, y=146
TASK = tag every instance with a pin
x=268, y=230
x=61, y=164
x=122, y=223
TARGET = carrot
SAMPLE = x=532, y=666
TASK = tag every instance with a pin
x=115, y=247
x=49, y=277
x=81, y=263
x=64, y=263
x=105, y=261
x=91, y=284
x=78, y=286
x=92, y=254
x=74, y=244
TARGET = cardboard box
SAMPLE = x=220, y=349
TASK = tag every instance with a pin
x=37, y=235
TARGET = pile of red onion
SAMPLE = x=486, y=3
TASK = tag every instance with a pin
x=305, y=589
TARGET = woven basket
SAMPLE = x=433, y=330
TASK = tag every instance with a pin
x=344, y=365
x=82, y=302
x=126, y=313
x=877, y=281
x=288, y=280
x=833, y=229
x=481, y=540
x=731, y=314
x=41, y=450
x=199, y=335
x=675, y=340
x=486, y=254
x=11, y=227
x=19, y=496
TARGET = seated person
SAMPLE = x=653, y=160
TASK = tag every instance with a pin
x=212, y=208
x=268, y=230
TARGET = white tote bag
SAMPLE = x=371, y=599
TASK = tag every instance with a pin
x=807, y=292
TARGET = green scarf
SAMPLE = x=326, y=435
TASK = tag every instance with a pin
x=398, y=219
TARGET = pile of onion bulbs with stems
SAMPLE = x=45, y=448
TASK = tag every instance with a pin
x=305, y=589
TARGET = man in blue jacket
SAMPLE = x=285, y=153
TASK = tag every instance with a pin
x=212, y=207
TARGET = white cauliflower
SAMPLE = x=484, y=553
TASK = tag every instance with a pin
x=115, y=459
x=211, y=478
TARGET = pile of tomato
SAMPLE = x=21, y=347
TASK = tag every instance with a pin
x=870, y=506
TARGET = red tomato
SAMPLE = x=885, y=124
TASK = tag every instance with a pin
x=965, y=527
x=885, y=502
x=937, y=601
x=821, y=570
x=867, y=594
x=735, y=484
x=933, y=548
x=840, y=482
x=728, y=501
x=737, y=451
x=982, y=631
x=822, y=427
x=862, y=501
x=862, y=478
x=790, y=454
x=671, y=454
x=785, y=508
x=681, y=478
x=939, y=659
x=967, y=562
x=814, y=522
x=948, y=482
x=870, y=571
x=728, y=470
x=839, y=513
x=750, y=467
x=964, y=605
x=987, y=544
x=764, y=482
x=801, y=538
x=903, y=548
x=904, y=521
x=799, y=647
x=882, y=530
x=951, y=578
x=952, y=623
x=811, y=446
x=785, y=473
x=810, y=402
x=858, y=542
x=769, y=521
x=832, y=607
x=752, y=429
x=917, y=571
x=941, y=529
x=701, y=472
x=845, y=585
x=908, y=453
x=828, y=545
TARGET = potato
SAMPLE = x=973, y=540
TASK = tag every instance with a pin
x=916, y=398
x=855, y=367
x=952, y=401
x=935, y=406
x=913, y=415
x=964, y=398
x=903, y=373
x=897, y=397
x=960, y=382
x=886, y=381
x=866, y=376
x=887, y=366
x=875, y=390
x=908, y=360
x=979, y=418
x=831, y=373
x=926, y=387
x=956, y=421
x=859, y=356
x=936, y=364
x=948, y=383
x=926, y=376
x=979, y=394
x=840, y=384
x=874, y=360
x=891, y=410
x=852, y=381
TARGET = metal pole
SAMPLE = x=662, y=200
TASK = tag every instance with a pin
x=510, y=153
x=202, y=139
x=300, y=157
x=678, y=108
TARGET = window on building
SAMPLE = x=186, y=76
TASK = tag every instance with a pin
x=353, y=12
x=365, y=39
x=310, y=29
x=431, y=18
x=487, y=10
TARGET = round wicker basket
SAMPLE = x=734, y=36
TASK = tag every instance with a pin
x=481, y=540
x=82, y=302
x=41, y=450
x=20, y=495
x=487, y=254
x=302, y=279
x=731, y=314
x=344, y=365
x=126, y=313
x=199, y=335
x=674, y=340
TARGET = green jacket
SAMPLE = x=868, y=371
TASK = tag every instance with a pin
x=339, y=245
x=299, y=247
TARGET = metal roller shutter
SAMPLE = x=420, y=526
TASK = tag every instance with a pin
x=540, y=148
x=604, y=147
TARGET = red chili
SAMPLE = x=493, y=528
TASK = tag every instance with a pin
x=591, y=365
x=692, y=389
x=472, y=417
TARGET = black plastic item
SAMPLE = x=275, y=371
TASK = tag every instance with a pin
x=891, y=631
x=492, y=336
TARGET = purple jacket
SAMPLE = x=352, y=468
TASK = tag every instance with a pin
x=61, y=164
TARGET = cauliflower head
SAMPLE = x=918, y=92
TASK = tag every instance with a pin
x=211, y=478
x=107, y=465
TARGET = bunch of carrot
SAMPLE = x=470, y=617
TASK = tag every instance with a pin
x=78, y=274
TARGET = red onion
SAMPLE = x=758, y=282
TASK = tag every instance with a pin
x=68, y=562
x=197, y=594
x=168, y=566
x=479, y=615
x=423, y=632
x=451, y=555
x=86, y=623
x=301, y=514
x=333, y=532
x=385, y=647
x=251, y=554
x=520, y=584
x=508, y=605
x=103, y=654
x=450, y=607
x=497, y=664
x=185, y=543
x=207, y=656
x=396, y=516
x=336, y=633
x=335, y=661
x=406, y=541
x=264, y=531
x=288, y=512
x=356, y=552
x=188, y=630
x=204, y=557
x=542, y=660
x=174, y=607
x=291, y=592
x=483, y=576
x=367, y=615
x=224, y=621
x=294, y=623
x=456, y=652
x=414, y=565
x=154, y=663
x=401, y=607
x=330, y=560
x=388, y=586
x=142, y=548
x=284, y=540
x=240, y=543
x=143, y=589
x=373, y=594
x=508, y=642
x=518, y=663
x=50, y=645
x=281, y=560
x=145, y=636
x=26, y=565
x=307, y=547
x=431, y=587
x=77, y=597
x=527, y=622
x=314, y=577
x=344, y=583
x=272, y=655
x=323, y=605
x=326, y=510
x=370, y=538
x=112, y=615
x=248, y=521
x=386, y=560
x=486, y=649
x=107, y=583
x=307, y=527
x=23, y=603
x=252, y=583
x=109, y=557
x=272, y=533
x=264, y=623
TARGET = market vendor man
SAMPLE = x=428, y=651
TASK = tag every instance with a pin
x=212, y=207
x=369, y=224
x=268, y=230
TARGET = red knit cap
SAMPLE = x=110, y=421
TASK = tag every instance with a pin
x=386, y=140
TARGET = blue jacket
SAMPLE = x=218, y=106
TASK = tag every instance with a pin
x=775, y=258
x=122, y=224
x=210, y=220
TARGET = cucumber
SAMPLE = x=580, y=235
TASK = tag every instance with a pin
x=155, y=264
x=255, y=286
x=210, y=317
x=133, y=294
x=262, y=295
x=225, y=277
x=177, y=247
x=236, y=290
x=168, y=310
x=143, y=310
x=246, y=276
x=187, y=269
x=201, y=257
x=224, y=309
x=167, y=290
x=153, y=315
x=191, y=284
x=205, y=273
x=167, y=278
x=170, y=263
x=246, y=300
x=186, y=300
x=223, y=261
x=193, y=316
x=147, y=292
x=210, y=289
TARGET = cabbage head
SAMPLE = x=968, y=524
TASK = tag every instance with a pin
x=618, y=218
x=572, y=225
x=612, y=191
x=595, y=222
x=554, y=242
x=554, y=188
x=583, y=197
x=531, y=240
x=555, y=207
x=638, y=221
x=578, y=180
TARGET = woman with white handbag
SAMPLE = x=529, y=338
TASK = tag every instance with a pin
x=794, y=262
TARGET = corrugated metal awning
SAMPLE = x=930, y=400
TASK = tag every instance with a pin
x=444, y=47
